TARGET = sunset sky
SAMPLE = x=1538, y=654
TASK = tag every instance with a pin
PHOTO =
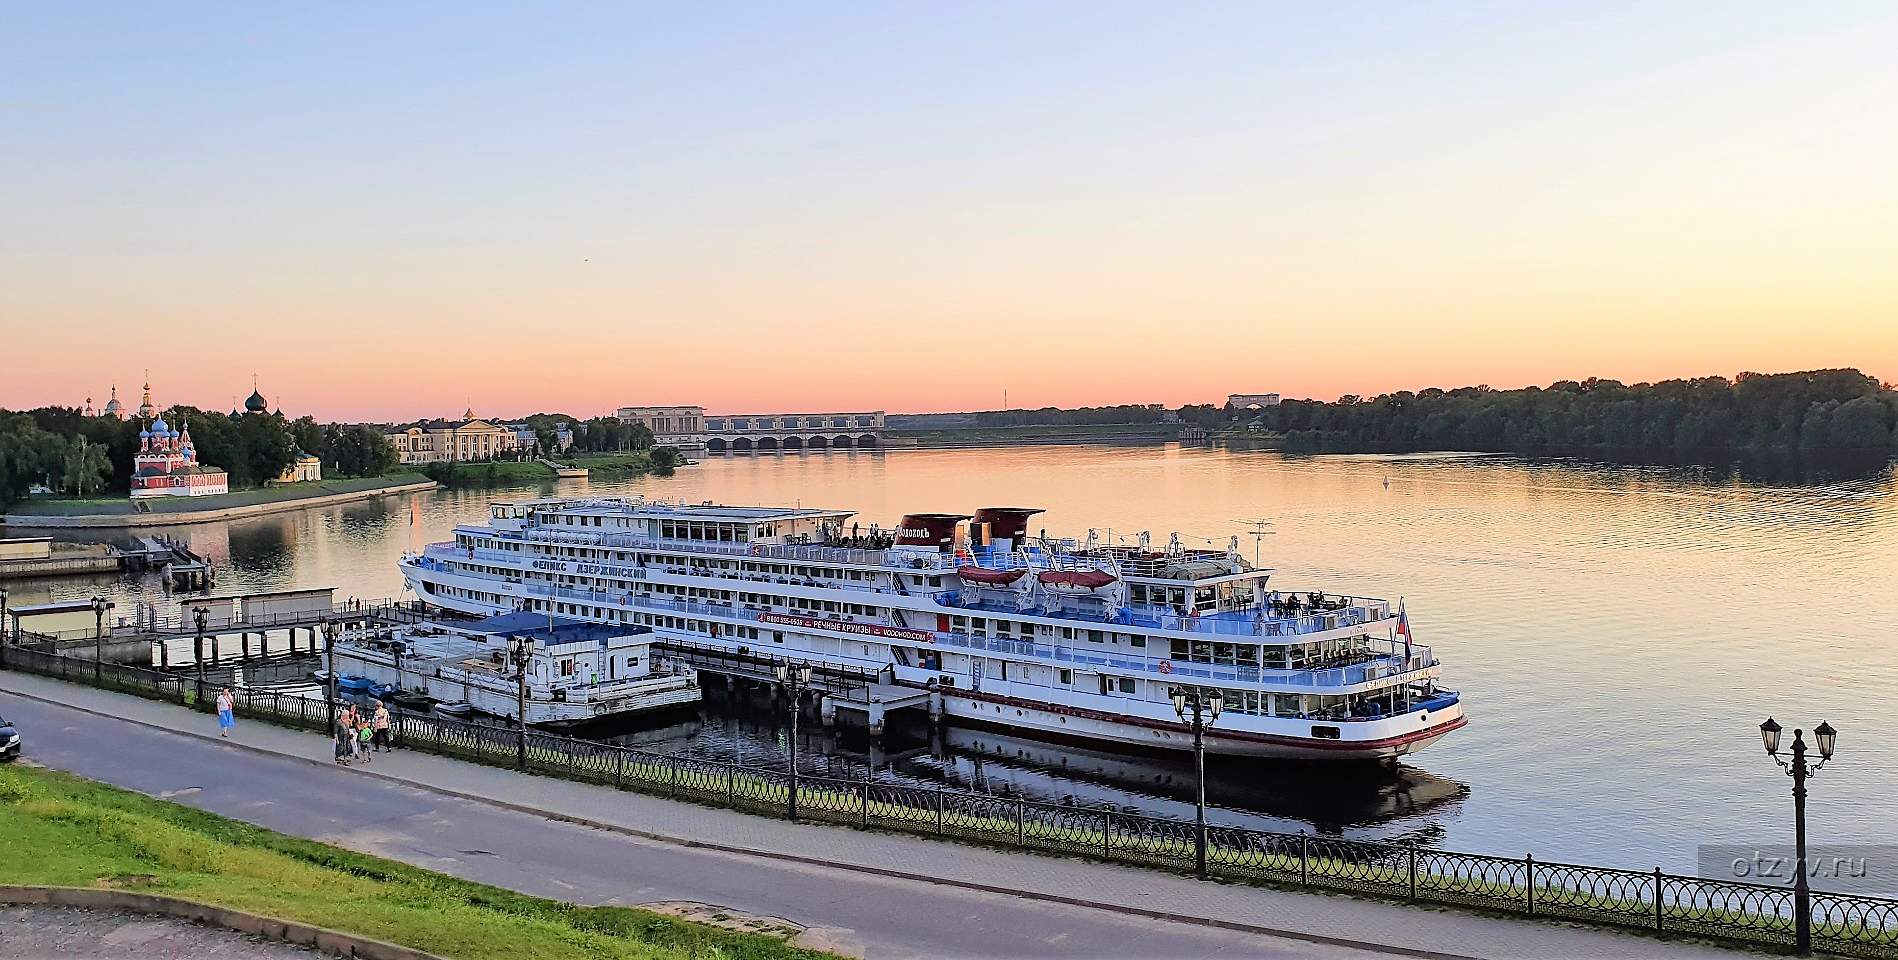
x=395, y=211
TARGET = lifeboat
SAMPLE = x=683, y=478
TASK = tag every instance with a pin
x=983, y=575
x=1076, y=580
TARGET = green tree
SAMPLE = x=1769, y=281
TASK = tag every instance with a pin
x=664, y=459
x=359, y=451
x=264, y=449
x=87, y=468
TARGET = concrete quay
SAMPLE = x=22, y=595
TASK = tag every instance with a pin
x=861, y=892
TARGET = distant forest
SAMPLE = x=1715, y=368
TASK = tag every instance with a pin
x=1817, y=411
x=1703, y=420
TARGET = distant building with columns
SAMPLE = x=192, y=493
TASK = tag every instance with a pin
x=454, y=441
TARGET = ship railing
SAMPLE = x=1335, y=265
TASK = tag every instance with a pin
x=1378, y=668
x=1255, y=622
x=908, y=560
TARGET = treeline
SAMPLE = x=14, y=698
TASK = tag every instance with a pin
x=598, y=435
x=68, y=452
x=1817, y=411
x=1056, y=416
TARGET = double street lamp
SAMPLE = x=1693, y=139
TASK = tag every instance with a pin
x=329, y=671
x=519, y=653
x=1826, y=739
x=99, y=606
x=794, y=680
x=198, y=617
x=1204, y=708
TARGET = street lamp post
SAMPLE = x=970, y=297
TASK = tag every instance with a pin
x=1826, y=739
x=99, y=607
x=794, y=680
x=517, y=653
x=329, y=672
x=1205, y=709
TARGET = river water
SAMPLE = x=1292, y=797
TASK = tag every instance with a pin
x=1617, y=633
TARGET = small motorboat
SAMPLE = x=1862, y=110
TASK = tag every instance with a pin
x=410, y=701
x=456, y=709
x=354, y=684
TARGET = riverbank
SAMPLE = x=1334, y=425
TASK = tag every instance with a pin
x=614, y=465
x=67, y=831
x=1047, y=434
x=171, y=511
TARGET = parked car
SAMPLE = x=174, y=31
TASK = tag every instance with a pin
x=9, y=740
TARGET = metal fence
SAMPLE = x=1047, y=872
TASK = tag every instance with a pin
x=1668, y=903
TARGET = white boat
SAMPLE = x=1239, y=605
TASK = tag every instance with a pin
x=1089, y=643
x=576, y=670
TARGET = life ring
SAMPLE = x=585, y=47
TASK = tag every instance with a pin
x=1166, y=666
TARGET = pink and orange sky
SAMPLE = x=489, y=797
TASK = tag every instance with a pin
x=388, y=214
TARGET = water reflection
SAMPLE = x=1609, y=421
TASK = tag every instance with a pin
x=1618, y=632
x=746, y=726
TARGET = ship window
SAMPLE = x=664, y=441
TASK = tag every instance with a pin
x=1325, y=733
x=1067, y=677
x=1126, y=685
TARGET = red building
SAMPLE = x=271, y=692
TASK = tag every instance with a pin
x=167, y=465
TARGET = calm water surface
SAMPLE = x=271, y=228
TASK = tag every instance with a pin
x=1618, y=633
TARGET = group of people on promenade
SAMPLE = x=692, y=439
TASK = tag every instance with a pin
x=360, y=732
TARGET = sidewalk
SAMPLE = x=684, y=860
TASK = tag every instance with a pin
x=1119, y=889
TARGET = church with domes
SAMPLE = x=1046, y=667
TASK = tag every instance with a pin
x=166, y=464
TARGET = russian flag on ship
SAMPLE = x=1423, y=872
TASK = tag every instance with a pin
x=1403, y=626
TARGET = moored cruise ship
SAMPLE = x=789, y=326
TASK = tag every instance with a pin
x=1053, y=637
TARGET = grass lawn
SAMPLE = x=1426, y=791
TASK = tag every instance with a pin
x=64, y=830
x=623, y=462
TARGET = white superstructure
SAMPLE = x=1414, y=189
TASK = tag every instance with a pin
x=574, y=670
x=1065, y=638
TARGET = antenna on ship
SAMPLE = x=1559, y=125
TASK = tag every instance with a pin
x=1259, y=528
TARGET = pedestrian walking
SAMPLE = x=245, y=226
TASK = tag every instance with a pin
x=381, y=725
x=345, y=741
x=226, y=719
x=363, y=738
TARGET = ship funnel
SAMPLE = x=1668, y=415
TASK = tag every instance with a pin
x=1006, y=523
x=936, y=530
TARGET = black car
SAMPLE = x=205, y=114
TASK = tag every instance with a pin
x=9, y=740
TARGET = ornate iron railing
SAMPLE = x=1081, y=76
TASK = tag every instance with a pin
x=1653, y=900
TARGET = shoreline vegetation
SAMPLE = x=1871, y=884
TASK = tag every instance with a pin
x=1709, y=420
x=63, y=830
x=659, y=461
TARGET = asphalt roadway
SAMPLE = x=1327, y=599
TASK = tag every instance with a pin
x=847, y=911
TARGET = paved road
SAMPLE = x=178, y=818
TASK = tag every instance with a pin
x=843, y=910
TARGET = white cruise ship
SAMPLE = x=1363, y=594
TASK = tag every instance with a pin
x=1040, y=636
